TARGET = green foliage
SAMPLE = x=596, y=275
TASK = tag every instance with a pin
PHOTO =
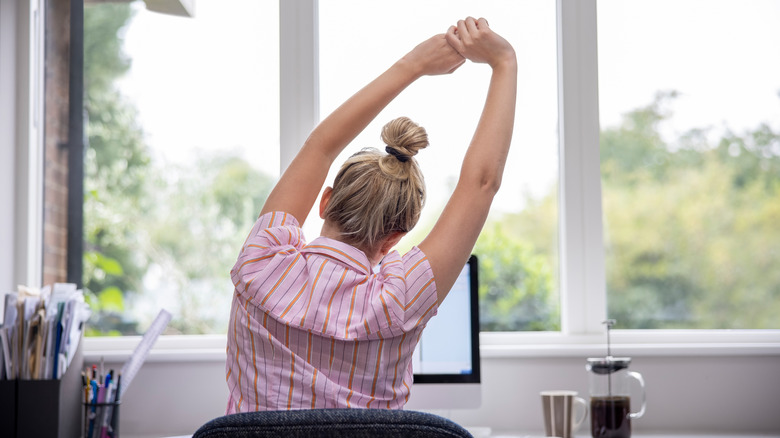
x=516, y=285
x=691, y=226
x=155, y=234
x=116, y=164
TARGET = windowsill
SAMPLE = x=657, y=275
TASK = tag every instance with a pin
x=540, y=345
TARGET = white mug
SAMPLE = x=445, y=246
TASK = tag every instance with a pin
x=558, y=408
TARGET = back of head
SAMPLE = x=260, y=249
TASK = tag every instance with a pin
x=377, y=194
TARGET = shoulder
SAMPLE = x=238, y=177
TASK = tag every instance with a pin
x=276, y=228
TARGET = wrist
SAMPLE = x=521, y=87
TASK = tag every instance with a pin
x=409, y=68
x=508, y=64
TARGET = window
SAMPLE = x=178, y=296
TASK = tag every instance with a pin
x=518, y=247
x=690, y=163
x=550, y=205
x=183, y=133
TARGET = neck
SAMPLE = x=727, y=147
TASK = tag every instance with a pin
x=331, y=231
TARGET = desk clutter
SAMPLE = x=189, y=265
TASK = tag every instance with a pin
x=101, y=402
x=41, y=331
x=43, y=388
x=40, y=361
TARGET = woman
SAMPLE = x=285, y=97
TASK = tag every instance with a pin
x=324, y=325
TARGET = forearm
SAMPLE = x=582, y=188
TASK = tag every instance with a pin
x=336, y=131
x=483, y=164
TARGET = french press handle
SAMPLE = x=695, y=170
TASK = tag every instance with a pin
x=638, y=377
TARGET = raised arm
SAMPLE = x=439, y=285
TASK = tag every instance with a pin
x=453, y=237
x=300, y=184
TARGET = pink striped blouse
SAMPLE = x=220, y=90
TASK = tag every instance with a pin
x=312, y=327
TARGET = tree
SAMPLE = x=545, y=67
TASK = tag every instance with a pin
x=156, y=234
x=691, y=225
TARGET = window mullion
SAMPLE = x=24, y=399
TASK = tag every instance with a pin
x=299, y=76
x=583, y=291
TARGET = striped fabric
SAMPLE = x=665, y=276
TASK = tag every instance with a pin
x=312, y=326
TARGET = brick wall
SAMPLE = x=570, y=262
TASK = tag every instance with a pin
x=55, y=191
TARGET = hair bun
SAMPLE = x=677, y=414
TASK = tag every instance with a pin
x=405, y=136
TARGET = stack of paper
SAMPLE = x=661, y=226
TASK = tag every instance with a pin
x=41, y=331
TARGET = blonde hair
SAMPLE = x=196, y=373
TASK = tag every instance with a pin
x=376, y=194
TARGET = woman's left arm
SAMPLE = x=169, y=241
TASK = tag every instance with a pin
x=297, y=189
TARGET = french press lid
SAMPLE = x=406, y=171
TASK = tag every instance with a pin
x=607, y=365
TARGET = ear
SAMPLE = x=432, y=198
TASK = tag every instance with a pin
x=324, y=200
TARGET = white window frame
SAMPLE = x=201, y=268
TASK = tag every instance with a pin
x=22, y=60
x=583, y=284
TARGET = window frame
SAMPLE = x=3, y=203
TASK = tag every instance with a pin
x=583, y=279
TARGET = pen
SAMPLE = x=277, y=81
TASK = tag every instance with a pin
x=94, y=385
x=114, y=414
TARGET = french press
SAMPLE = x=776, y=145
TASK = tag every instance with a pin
x=610, y=394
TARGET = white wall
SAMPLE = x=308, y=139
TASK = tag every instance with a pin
x=704, y=394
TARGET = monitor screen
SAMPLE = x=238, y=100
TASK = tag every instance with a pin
x=447, y=357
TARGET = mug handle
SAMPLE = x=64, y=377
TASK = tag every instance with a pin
x=638, y=378
x=578, y=422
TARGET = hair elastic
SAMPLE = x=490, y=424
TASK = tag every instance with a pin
x=397, y=154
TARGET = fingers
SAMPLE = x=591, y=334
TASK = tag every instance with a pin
x=454, y=40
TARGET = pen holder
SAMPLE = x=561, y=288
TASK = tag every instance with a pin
x=101, y=420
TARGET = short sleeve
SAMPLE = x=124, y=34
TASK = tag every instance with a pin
x=409, y=292
x=275, y=240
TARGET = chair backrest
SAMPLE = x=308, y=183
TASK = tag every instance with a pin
x=332, y=423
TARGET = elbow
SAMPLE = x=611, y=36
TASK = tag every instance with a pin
x=490, y=183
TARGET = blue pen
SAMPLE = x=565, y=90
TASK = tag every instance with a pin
x=94, y=384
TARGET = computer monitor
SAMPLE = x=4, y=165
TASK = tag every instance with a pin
x=446, y=360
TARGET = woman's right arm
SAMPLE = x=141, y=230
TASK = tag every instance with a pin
x=452, y=239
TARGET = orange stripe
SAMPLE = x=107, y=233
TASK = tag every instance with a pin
x=376, y=370
x=332, y=352
x=396, y=299
x=352, y=373
x=387, y=313
x=272, y=236
x=397, y=276
x=238, y=349
x=308, y=349
x=252, y=245
x=423, y=315
x=418, y=294
x=287, y=271
x=313, y=286
x=289, y=306
x=351, y=308
x=254, y=356
x=341, y=253
x=395, y=372
x=254, y=260
x=327, y=315
x=292, y=380
x=284, y=219
x=416, y=265
x=365, y=324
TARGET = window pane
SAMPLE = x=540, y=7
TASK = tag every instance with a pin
x=690, y=161
x=518, y=247
x=183, y=148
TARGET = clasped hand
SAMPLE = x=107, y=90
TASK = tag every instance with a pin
x=471, y=39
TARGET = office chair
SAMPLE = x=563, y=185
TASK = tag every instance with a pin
x=332, y=423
